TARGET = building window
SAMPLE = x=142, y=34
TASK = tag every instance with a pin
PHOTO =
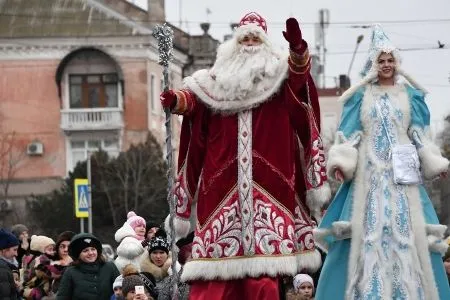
x=80, y=149
x=93, y=90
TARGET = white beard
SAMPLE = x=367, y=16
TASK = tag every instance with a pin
x=244, y=70
x=242, y=77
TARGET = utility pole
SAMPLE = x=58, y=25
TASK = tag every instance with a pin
x=324, y=22
x=89, y=176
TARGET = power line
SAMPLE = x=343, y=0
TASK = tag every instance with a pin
x=356, y=24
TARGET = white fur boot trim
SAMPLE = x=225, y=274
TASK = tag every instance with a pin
x=343, y=157
x=431, y=161
x=250, y=266
x=316, y=198
x=342, y=230
x=437, y=245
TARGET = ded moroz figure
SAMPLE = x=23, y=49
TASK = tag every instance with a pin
x=251, y=157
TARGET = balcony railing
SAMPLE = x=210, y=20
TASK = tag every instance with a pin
x=91, y=119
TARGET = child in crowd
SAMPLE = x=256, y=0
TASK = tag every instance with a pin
x=130, y=237
x=117, y=288
x=304, y=287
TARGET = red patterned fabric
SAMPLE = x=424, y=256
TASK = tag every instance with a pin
x=254, y=18
x=264, y=288
x=250, y=172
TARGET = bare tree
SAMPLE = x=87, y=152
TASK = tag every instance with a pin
x=12, y=153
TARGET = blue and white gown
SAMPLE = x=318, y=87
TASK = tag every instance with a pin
x=384, y=240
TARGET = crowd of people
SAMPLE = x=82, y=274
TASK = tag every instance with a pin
x=73, y=267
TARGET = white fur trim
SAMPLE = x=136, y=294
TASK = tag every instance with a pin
x=182, y=227
x=341, y=230
x=437, y=245
x=318, y=197
x=352, y=90
x=129, y=251
x=256, y=266
x=125, y=231
x=437, y=230
x=130, y=248
x=343, y=157
x=411, y=80
x=159, y=273
x=319, y=238
x=202, y=84
x=432, y=162
x=252, y=28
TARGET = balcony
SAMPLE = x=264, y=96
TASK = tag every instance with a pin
x=91, y=119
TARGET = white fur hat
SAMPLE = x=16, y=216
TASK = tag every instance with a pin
x=299, y=279
x=39, y=242
x=252, y=23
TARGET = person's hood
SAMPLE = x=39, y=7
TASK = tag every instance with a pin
x=123, y=232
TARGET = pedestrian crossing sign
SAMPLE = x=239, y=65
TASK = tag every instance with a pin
x=81, y=198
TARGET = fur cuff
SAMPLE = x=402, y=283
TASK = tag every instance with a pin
x=316, y=198
x=341, y=230
x=343, y=157
x=182, y=227
x=437, y=245
x=437, y=230
x=319, y=238
x=432, y=162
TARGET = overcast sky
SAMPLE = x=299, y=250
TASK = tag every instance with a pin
x=410, y=24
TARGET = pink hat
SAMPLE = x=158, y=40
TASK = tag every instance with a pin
x=134, y=220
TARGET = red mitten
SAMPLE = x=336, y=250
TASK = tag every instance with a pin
x=168, y=99
x=293, y=34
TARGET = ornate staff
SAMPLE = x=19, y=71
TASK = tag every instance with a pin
x=164, y=35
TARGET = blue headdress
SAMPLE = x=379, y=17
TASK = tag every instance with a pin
x=380, y=43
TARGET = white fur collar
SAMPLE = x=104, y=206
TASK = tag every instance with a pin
x=203, y=85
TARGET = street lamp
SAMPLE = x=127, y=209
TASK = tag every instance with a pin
x=358, y=41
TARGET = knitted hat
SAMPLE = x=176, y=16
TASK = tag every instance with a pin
x=40, y=242
x=118, y=282
x=82, y=241
x=299, y=279
x=18, y=229
x=158, y=243
x=131, y=279
x=149, y=283
x=134, y=220
x=7, y=239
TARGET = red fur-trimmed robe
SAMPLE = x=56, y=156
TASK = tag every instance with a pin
x=256, y=169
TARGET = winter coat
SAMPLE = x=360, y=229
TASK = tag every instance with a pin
x=158, y=272
x=130, y=248
x=88, y=281
x=165, y=288
x=7, y=286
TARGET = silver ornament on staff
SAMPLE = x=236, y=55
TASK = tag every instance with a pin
x=164, y=36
